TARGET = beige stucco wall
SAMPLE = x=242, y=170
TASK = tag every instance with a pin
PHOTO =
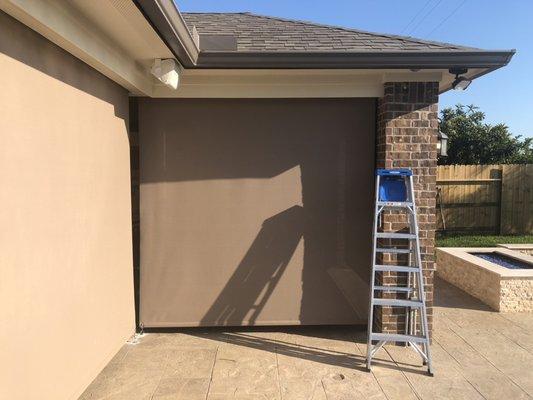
x=66, y=290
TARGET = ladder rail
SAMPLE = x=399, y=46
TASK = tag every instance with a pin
x=377, y=212
x=420, y=283
x=410, y=318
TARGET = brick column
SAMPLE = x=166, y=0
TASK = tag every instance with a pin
x=407, y=130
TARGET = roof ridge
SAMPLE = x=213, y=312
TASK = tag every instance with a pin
x=352, y=30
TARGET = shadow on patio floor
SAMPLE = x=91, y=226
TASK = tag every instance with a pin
x=285, y=363
x=449, y=296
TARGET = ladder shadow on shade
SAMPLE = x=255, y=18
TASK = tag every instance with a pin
x=255, y=278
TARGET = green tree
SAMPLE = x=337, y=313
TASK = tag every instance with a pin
x=472, y=141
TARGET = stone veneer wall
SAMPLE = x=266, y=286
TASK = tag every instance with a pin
x=407, y=129
x=516, y=295
x=501, y=293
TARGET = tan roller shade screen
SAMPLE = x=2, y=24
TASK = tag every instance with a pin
x=245, y=205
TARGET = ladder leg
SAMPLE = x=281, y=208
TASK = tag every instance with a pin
x=409, y=296
x=369, y=353
x=411, y=281
x=425, y=330
x=420, y=284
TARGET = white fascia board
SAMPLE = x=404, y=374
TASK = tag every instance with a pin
x=63, y=25
x=203, y=83
x=269, y=91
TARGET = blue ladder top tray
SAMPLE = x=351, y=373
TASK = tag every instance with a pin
x=392, y=184
x=394, y=172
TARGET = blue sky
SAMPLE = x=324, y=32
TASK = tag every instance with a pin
x=505, y=95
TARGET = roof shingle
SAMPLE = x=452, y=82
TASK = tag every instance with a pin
x=257, y=33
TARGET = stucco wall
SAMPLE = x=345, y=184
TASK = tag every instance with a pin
x=66, y=289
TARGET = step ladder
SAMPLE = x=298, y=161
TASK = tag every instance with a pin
x=394, y=191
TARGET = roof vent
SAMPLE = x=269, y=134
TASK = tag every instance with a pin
x=218, y=42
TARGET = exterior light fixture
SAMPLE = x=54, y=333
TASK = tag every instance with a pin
x=167, y=71
x=460, y=82
x=442, y=145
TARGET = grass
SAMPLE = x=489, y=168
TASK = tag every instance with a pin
x=480, y=240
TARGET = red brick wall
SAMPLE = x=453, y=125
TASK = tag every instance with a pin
x=407, y=137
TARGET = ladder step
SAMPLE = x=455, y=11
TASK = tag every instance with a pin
x=395, y=204
x=393, y=337
x=398, y=303
x=393, y=250
x=394, y=235
x=393, y=289
x=396, y=268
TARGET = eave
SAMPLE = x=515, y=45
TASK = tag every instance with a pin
x=167, y=21
x=111, y=36
x=121, y=38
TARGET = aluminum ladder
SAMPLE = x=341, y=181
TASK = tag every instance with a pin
x=394, y=191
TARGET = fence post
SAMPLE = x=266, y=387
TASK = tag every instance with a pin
x=506, y=215
x=500, y=204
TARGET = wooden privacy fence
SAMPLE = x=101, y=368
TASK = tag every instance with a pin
x=495, y=199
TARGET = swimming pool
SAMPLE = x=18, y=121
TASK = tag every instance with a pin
x=504, y=260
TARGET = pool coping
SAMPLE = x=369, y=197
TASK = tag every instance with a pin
x=502, y=272
x=516, y=246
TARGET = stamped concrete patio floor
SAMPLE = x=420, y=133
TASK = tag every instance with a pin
x=478, y=354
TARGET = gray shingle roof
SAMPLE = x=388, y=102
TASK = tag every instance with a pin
x=257, y=33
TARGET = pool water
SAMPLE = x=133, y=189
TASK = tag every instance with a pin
x=503, y=260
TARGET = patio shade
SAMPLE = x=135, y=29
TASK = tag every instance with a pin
x=246, y=204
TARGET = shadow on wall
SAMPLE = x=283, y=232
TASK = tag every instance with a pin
x=450, y=296
x=211, y=168
x=28, y=47
x=254, y=280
